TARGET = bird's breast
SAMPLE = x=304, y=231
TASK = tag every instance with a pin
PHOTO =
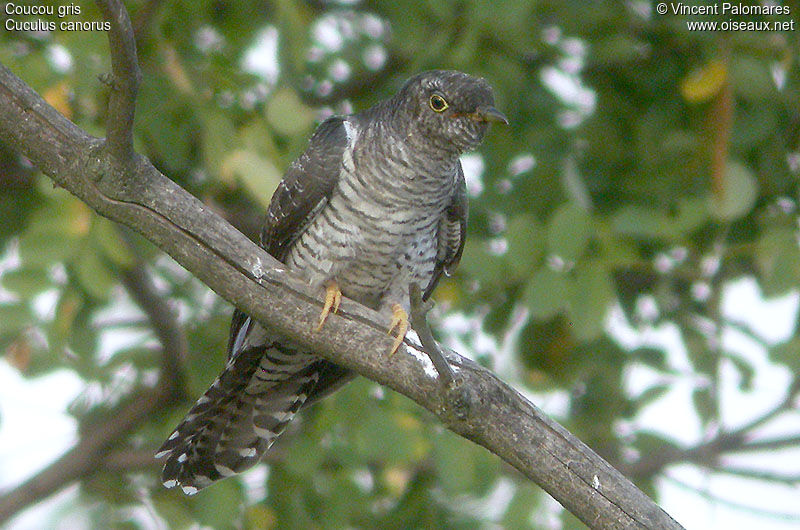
x=370, y=235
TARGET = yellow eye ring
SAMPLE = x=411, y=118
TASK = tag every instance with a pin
x=438, y=103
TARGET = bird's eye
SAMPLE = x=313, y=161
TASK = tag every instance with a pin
x=437, y=103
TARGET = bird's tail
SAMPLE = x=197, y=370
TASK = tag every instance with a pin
x=234, y=423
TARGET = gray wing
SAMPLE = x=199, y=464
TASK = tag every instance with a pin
x=303, y=192
x=451, y=235
x=306, y=187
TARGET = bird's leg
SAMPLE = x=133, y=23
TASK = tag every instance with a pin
x=333, y=297
x=399, y=321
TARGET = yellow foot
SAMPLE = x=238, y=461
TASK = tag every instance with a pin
x=399, y=321
x=333, y=297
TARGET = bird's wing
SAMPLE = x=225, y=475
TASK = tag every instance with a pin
x=451, y=235
x=306, y=187
x=301, y=195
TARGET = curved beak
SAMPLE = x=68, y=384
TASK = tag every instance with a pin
x=489, y=114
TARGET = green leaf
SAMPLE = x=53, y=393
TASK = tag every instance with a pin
x=617, y=48
x=653, y=393
x=93, y=275
x=751, y=78
x=746, y=372
x=649, y=443
x=525, y=238
x=26, y=282
x=173, y=509
x=461, y=466
x=478, y=263
x=44, y=248
x=523, y=506
x=546, y=293
x=14, y=317
x=569, y=231
x=704, y=404
x=651, y=356
x=287, y=115
x=632, y=220
x=788, y=354
x=108, y=240
x=259, y=176
x=166, y=122
x=219, y=138
x=739, y=193
x=220, y=506
x=260, y=516
x=778, y=258
x=591, y=294
x=692, y=213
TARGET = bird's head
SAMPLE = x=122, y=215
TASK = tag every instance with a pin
x=451, y=110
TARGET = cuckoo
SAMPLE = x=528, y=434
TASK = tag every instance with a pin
x=377, y=201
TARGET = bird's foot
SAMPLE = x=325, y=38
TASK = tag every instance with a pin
x=399, y=321
x=333, y=297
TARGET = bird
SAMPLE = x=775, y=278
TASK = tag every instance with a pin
x=376, y=201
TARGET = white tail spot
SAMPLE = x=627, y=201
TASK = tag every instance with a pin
x=281, y=417
x=263, y=433
x=247, y=453
x=170, y=483
x=189, y=490
x=225, y=471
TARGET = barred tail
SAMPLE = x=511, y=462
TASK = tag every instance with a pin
x=234, y=423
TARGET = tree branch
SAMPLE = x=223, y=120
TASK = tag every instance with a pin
x=126, y=460
x=132, y=192
x=790, y=479
x=164, y=323
x=770, y=444
x=85, y=456
x=92, y=452
x=716, y=499
x=124, y=82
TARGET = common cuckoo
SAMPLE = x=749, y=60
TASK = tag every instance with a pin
x=376, y=201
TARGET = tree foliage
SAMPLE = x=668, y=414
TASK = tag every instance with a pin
x=646, y=169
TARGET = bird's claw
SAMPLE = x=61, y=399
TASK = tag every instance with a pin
x=399, y=321
x=333, y=297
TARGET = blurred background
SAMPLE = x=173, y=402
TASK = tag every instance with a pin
x=632, y=264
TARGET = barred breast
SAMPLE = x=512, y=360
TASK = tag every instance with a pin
x=378, y=231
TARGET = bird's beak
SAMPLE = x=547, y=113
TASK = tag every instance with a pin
x=490, y=114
